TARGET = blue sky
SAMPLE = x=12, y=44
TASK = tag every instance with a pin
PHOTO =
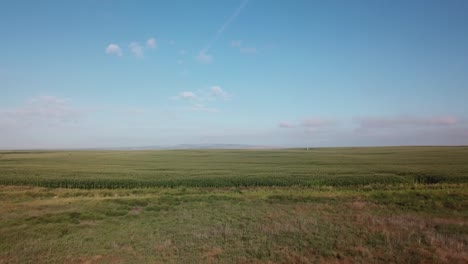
x=278, y=73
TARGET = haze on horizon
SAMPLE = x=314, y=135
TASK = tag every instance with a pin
x=92, y=74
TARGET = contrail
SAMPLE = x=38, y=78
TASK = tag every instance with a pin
x=225, y=26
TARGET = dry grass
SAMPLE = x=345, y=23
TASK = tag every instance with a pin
x=420, y=234
x=226, y=226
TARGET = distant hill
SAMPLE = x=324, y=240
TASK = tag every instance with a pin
x=197, y=146
x=156, y=147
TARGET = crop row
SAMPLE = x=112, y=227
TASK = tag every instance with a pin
x=253, y=181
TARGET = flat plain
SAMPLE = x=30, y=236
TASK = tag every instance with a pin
x=338, y=205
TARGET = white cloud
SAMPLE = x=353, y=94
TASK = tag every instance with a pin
x=187, y=96
x=136, y=49
x=204, y=58
x=114, y=49
x=182, y=52
x=200, y=100
x=220, y=93
x=180, y=62
x=151, y=43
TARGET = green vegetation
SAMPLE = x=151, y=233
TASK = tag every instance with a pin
x=235, y=168
x=350, y=205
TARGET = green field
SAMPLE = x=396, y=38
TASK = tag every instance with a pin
x=339, y=205
x=235, y=168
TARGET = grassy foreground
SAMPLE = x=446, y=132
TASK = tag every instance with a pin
x=364, y=205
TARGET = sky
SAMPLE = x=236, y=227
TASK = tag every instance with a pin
x=97, y=74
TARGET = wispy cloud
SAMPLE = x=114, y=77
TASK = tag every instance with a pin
x=113, y=49
x=200, y=100
x=219, y=93
x=317, y=122
x=136, y=49
x=238, y=44
x=42, y=121
x=182, y=52
x=211, y=94
x=231, y=18
x=404, y=121
x=309, y=125
x=48, y=99
x=151, y=43
x=204, y=58
x=42, y=110
x=411, y=130
x=220, y=31
x=186, y=96
x=286, y=124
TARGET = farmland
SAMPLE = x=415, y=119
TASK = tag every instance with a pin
x=368, y=205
